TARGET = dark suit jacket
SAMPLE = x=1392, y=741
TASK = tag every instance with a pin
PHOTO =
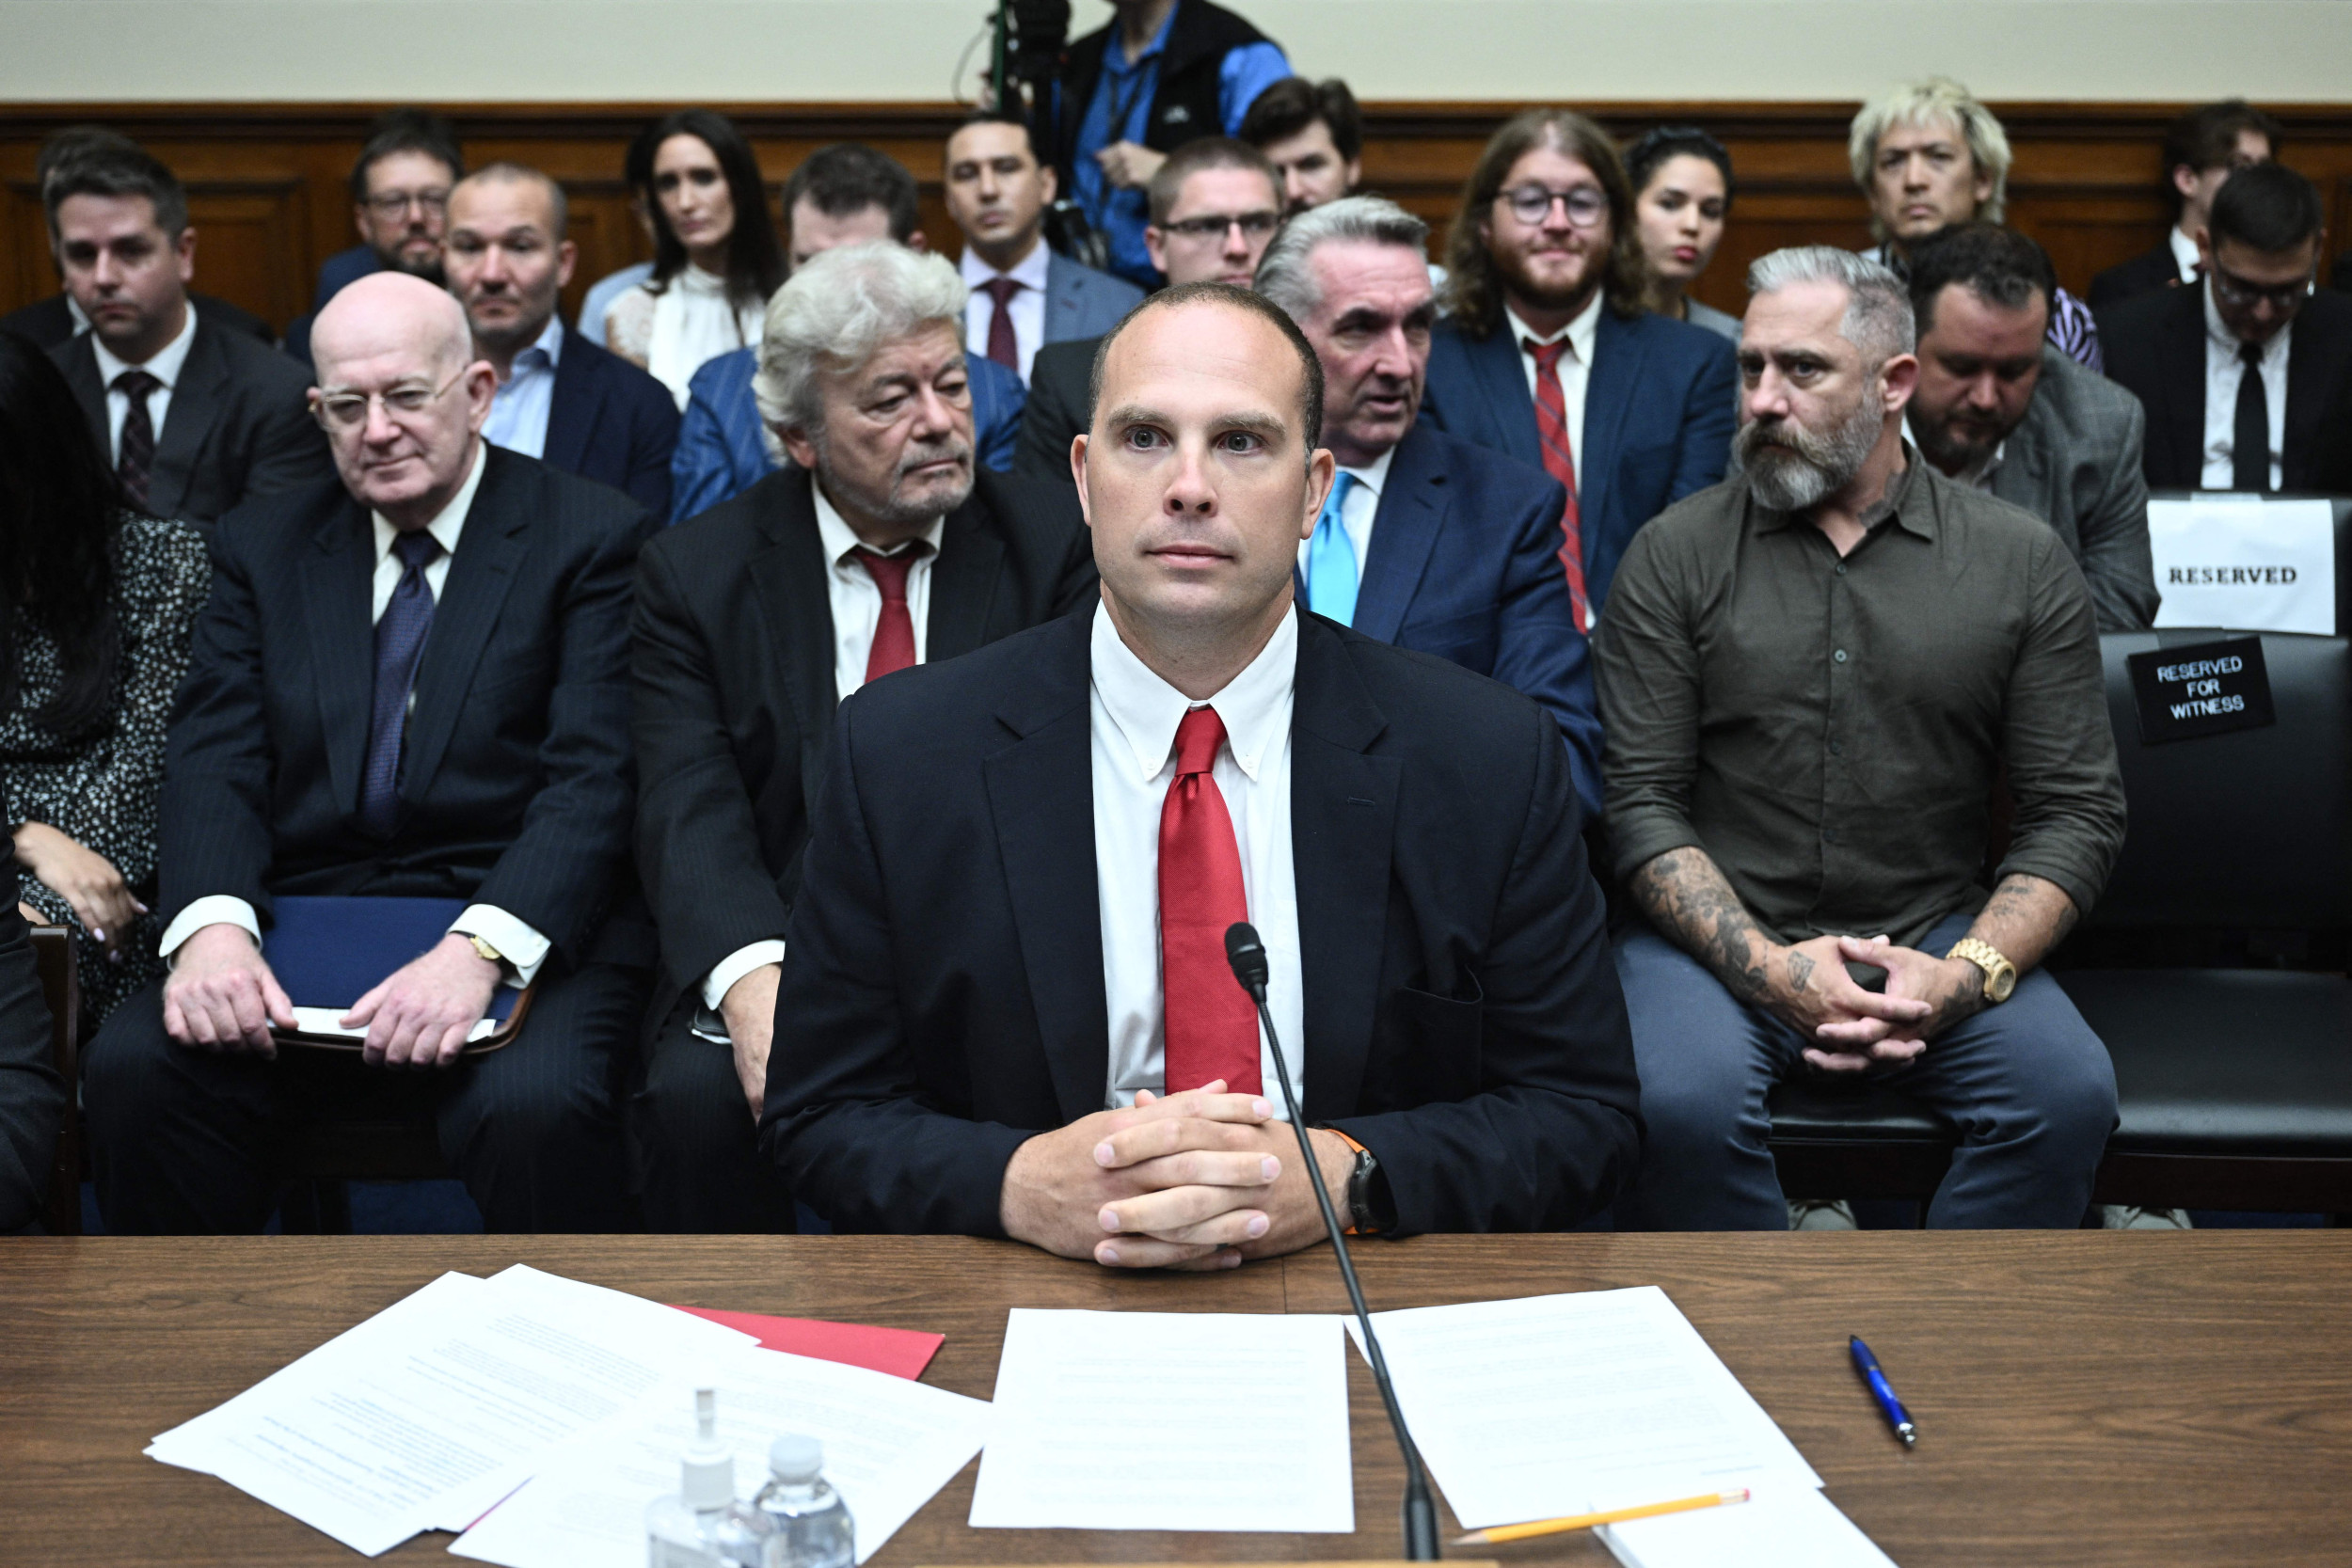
x=610, y=422
x=735, y=696
x=1660, y=406
x=49, y=322
x=2148, y=272
x=337, y=272
x=32, y=1099
x=1059, y=409
x=514, y=781
x=1464, y=564
x=238, y=426
x=943, y=998
x=2155, y=347
x=2074, y=461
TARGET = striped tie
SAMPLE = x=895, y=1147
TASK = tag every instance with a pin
x=1551, y=425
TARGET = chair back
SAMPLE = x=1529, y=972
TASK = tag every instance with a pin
x=61, y=988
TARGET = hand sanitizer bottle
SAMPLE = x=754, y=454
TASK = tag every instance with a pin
x=704, y=1527
x=811, y=1523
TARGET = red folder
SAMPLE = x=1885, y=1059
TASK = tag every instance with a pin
x=900, y=1352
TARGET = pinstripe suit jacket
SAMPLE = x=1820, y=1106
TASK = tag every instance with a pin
x=2075, y=463
x=515, y=779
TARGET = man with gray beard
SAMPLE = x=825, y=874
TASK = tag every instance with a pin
x=878, y=549
x=1810, y=676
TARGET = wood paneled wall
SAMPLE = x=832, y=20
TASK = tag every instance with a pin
x=267, y=182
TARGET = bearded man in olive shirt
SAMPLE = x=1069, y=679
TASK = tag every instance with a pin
x=1809, y=678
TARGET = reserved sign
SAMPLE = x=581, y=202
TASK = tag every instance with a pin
x=2200, y=688
x=2245, y=563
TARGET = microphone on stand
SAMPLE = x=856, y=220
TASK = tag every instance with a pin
x=1247, y=954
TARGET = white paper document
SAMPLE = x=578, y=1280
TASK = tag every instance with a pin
x=329, y=1020
x=1545, y=1406
x=1790, y=1528
x=424, y=1415
x=890, y=1445
x=1169, y=1421
x=2245, y=564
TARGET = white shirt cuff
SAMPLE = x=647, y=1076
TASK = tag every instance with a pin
x=219, y=908
x=735, y=966
x=525, y=948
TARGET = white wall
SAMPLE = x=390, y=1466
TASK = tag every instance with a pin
x=717, y=51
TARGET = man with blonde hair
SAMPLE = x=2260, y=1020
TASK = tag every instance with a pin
x=1929, y=155
x=883, y=546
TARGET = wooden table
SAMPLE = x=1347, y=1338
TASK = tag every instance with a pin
x=2084, y=1398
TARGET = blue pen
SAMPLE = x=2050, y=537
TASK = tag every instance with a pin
x=1883, y=1391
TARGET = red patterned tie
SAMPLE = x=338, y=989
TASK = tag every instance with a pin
x=1551, y=424
x=1212, y=1026
x=1002, y=347
x=893, y=632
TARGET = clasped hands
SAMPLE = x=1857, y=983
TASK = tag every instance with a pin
x=1808, y=989
x=1194, y=1180
x=221, y=996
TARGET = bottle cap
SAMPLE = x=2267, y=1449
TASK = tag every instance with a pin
x=706, y=1473
x=795, y=1458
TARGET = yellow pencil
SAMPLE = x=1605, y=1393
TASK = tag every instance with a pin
x=1498, y=1534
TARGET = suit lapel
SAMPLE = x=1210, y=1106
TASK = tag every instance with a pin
x=496, y=533
x=572, y=404
x=790, y=577
x=2308, y=368
x=1496, y=358
x=964, y=583
x=1342, y=823
x=336, y=579
x=2183, y=377
x=1404, y=531
x=196, y=403
x=1041, y=796
x=1608, y=382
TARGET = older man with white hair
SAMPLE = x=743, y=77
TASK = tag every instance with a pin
x=881, y=546
x=410, y=683
x=1812, y=677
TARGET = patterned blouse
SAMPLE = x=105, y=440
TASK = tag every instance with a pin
x=101, y=790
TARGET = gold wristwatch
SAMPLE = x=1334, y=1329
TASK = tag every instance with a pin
x=497, y=959
x=2000, y=976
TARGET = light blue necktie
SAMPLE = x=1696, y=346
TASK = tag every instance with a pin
x=1332, y=560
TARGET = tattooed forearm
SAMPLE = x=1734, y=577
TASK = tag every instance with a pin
x=2027, y=916
x=1687, y=897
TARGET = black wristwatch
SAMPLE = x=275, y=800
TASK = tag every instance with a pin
x=1371, y=1210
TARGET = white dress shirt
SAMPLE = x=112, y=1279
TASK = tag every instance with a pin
x=518, y=409
x=523, y=947
x=1358, y=511
x=1027, y=307
x=1575, y=368
x=164, y=367
x=2224, y=370
x=1133, y=715
x=2184, y=254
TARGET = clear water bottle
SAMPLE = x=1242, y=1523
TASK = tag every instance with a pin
x=810, y=1522
x=703, y=1526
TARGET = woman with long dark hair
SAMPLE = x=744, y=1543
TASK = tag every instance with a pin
x=716, y=256
x=97, y=607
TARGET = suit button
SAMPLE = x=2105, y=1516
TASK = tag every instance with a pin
x=1839, y=656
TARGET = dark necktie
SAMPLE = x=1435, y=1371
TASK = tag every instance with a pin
x=2250, y=435
x=1552, y=427
x=399, y=639
x=1210, y=1028
x=134, y=458
x=1002, y=347
x=894, y=630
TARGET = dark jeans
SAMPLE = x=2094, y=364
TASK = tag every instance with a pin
x=2027, y=1083
x=182, y=1141
x=699, y=1168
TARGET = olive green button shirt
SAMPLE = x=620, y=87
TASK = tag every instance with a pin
x=1829, y=731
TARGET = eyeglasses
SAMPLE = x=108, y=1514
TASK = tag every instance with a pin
x=2232, y=289
x=1255, y=226
x=349, y=410
x=1531, y=204
x=394, y=204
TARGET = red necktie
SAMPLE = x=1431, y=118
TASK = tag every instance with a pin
x=893, y=632
x=1551, y=424
x=1002, y=347
x=1212, y=1026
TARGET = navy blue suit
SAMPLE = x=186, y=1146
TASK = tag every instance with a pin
x=610, y=422
x=1660, y=406
x=1464, y=564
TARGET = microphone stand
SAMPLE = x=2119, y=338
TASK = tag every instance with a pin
x=1247, y=957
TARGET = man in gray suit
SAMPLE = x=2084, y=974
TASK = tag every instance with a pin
x=1023, y=294
x=1999, y=409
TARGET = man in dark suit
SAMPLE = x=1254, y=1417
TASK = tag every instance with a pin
x=2001, y=411
x=400, y=187
x=474, y=744
x=1425, y=541
x=196, y=418
x=880, y=548
x=2202, y=148
x=1548, y=355
x=1215, y=205
x=1004, y=1006
x=561, y=398
x=2237, y=375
